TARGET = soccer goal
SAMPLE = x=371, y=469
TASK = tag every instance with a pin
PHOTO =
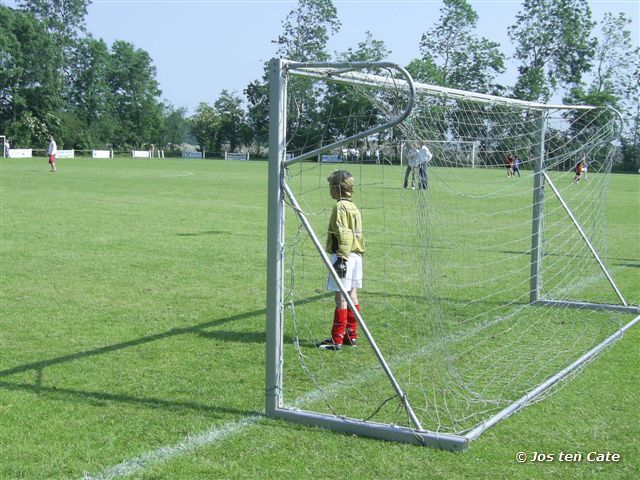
x=454, y=153
x=481, y=293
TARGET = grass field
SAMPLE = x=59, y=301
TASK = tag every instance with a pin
x=132, y=340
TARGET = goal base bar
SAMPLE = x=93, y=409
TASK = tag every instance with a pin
x=526, y=399
x=632, y=309
x=371, y=429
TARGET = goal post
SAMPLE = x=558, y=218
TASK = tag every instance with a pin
x=460, y=278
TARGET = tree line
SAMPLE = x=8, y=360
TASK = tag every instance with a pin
x=56, y=78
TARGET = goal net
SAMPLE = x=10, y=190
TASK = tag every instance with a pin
x=480, y=292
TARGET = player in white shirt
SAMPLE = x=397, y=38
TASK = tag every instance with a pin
x=424, y=156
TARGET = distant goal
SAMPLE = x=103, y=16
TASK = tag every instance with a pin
x=453, y=153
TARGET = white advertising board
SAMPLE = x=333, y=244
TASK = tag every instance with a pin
x=331, y=158
x=236, y=156
x=101, y=153
x=20, y=153
x=65, y=154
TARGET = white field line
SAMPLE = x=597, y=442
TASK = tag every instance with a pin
x=188, y=445
x=193, y=442
x=185, y=173
x=163, y=454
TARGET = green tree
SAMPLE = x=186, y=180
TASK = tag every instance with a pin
x=453, y=55
x=554, y=46
x=615, y=83
x=30, y=87
x=634, y=111
x=134, y=96
x=617, y=70
x=91, y=96
x=229, y=134
x=63, y=18
x=65, y=21
x=611, y=57
x=177, y=127
x=307, y=30
x=462, y=59
x=257, y=95
x=424, y=70
x=345, y=111
x=369, y=50
x=204, y=124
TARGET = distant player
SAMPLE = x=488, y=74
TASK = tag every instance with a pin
x=345, y=243
x=424, y=156
x=585, y=168
x=509, y=165
x=578, y=170
x=516, y=166
x=52, y=151
x=412, y=159
x=7, y=147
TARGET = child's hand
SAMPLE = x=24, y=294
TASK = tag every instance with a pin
x=341, y=267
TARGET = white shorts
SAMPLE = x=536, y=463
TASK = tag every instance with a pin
x=354, y=273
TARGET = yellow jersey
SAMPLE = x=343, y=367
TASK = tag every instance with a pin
x=344, y=234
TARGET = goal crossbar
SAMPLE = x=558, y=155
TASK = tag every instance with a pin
x=321, y=71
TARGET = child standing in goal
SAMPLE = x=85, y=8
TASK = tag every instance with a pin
x=345, y=243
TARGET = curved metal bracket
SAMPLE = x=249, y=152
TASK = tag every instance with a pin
x=319, y=71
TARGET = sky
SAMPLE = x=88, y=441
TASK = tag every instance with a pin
x=200, y=47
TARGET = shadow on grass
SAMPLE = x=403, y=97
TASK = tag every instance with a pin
x=97, y=397
x=39, y=367
x=630, y=265
x=240, y=337
x=199, y=328
x=210, y=232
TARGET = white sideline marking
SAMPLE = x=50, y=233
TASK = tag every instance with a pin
x=183, y=174
x=188, y=445
x=163, y=454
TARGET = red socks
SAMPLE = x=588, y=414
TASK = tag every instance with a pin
x=344, y=322
x=339, y=325
x=352, y=324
